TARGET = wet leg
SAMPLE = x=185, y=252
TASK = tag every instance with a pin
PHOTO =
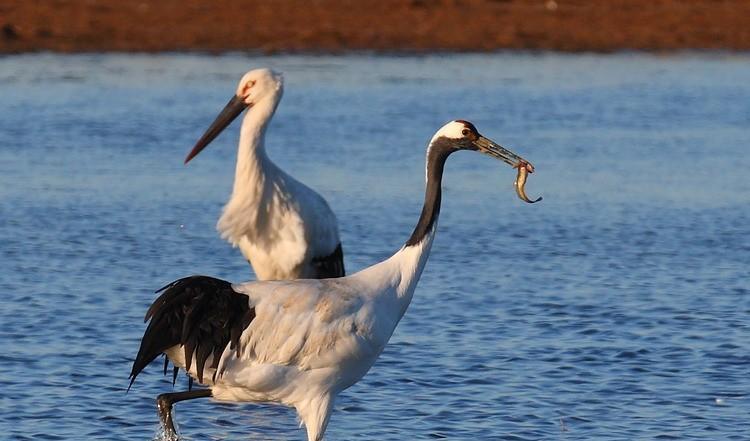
x=164, y=403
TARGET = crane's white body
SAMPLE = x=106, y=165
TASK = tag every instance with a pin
x=299, y=342
x=311, y=339
x=278, y=223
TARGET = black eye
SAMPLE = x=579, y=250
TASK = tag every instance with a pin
x=465, y=132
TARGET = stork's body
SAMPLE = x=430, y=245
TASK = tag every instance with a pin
x=299, y=342
x=282, y=227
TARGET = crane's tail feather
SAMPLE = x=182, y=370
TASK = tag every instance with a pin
x=200, y=313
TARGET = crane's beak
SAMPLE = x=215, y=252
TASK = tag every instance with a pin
x=232, y=110
x=495, y=150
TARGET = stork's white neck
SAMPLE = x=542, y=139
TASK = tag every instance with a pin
x=252, y=161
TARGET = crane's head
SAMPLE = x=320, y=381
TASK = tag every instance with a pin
x=462, y=135
x=256, y=86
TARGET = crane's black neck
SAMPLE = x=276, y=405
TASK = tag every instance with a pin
x=437, y=153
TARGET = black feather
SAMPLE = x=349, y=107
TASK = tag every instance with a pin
x=201, y=313
x=330, y=266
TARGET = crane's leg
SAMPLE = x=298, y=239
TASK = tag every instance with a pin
x=317, y=413
x=165, y=401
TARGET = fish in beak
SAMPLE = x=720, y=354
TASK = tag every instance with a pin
x=524, y=167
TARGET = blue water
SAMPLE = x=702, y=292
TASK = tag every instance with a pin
x=616, y=309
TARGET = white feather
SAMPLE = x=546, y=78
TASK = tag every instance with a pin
x=452, y=130
x=278, y=223
x=311, y=339
x=315, y=338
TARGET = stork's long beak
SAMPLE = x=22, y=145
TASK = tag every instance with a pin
x=232, y=110
x=495, y=150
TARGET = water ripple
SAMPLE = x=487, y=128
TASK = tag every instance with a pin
x=616, y=309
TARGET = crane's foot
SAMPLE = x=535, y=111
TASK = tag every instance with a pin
x=164, y=403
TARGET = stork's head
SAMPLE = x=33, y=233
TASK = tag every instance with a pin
x=462, y=135
x=257, y=86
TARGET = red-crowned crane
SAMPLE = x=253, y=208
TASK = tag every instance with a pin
x=298, y=342
x=283, y=228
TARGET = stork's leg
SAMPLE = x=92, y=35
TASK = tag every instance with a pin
x=165, y=401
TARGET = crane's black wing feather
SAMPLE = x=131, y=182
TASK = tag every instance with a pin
x=201, y=313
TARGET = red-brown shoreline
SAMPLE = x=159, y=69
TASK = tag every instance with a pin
x=391, y=26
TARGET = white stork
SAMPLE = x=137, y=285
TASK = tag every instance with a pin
x=298, y=342
x=283, y=228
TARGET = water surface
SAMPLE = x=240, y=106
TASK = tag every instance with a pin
x=618, y=308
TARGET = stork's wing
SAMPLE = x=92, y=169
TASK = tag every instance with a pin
x=330, y=266
x=321, y=233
